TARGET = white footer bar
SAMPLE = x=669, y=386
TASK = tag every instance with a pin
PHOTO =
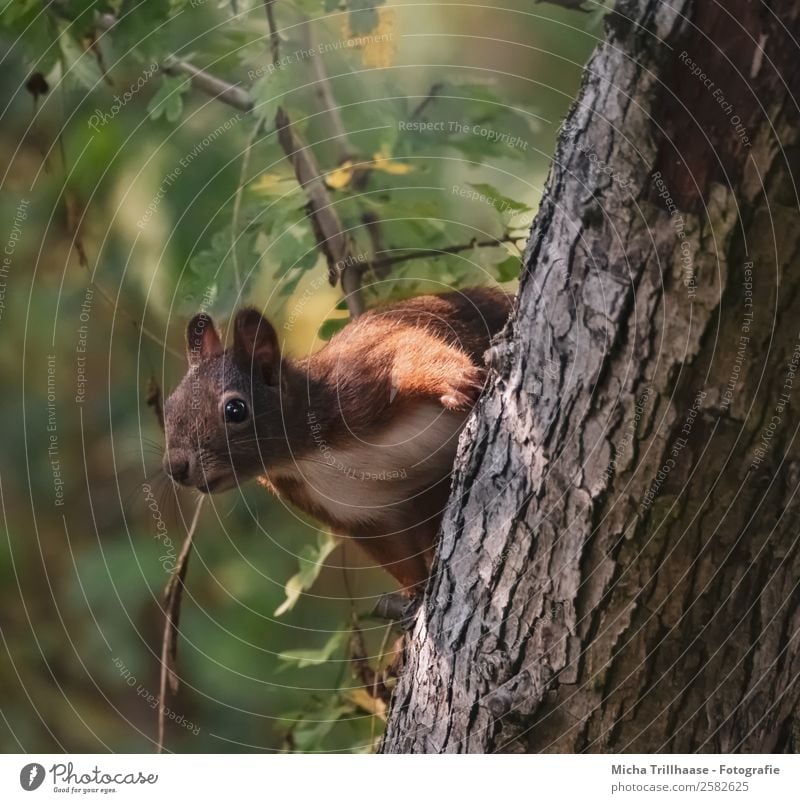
x=400, y=779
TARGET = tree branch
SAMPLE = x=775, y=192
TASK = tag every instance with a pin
x=203, y=81
x=328, y=230
x=209, y=84
x=274, y=36
x=327, y=101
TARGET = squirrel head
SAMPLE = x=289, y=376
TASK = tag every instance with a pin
x=223, y=422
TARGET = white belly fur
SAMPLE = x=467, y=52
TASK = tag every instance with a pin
x=358, y=484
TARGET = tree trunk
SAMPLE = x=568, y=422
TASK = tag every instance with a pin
x=619, y=563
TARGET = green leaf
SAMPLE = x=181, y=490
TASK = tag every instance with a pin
x=288, y=286
x=144, y=31
x=292, y=248
x=309, y=728
x=475, y=120
x=212, y=269
x=311, y=559
x=37, y=35
x=407, y=217
x=502, y=203
x=330, y=327
x=509, y=269
x=302, y=659
x=270, y=90
x=404, y=205
x=287, y=243
x=16, y=12
x=168, y=101
x=80, y=66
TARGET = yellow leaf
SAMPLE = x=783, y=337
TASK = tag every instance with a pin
x=383, y=162
x=339, y=178
x=379, y=47
x=267, y=183
x=366, y=702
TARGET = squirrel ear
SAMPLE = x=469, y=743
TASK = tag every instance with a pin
x=256, y=342
x=202, y=339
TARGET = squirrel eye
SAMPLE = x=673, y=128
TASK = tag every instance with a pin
x=235, y=411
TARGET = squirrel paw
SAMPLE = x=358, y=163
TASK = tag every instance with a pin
x=465, y=391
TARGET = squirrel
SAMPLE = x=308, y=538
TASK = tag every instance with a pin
x=361, y=435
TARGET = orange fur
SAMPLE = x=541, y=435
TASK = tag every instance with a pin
x=361, y=435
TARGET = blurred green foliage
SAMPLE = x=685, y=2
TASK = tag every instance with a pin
x=129, y=198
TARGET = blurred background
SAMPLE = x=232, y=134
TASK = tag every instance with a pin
x=130, y=199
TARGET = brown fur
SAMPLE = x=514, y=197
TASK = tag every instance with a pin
x=361, y=435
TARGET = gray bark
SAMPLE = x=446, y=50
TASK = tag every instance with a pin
x=619, y=561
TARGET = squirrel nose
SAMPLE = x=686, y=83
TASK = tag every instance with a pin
x=176, y=464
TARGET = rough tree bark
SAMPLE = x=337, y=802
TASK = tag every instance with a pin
x=619, y=561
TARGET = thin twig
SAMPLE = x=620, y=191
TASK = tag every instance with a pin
x=134, y=320
x=327, y=101
x=346, y=580
x=325, y=222
x=210, y=84
x=74, y=220
x=173, y=594
x=350, y=274
x=274, y=36
x=433, y=92
x=572, y=5
x=328, y=230
x=381, y=653
x=237, y=203
x=203, y=81
x=84, y=262
x=370, y=678
x=154, y=399
x=450, y=249
x=372, y=224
